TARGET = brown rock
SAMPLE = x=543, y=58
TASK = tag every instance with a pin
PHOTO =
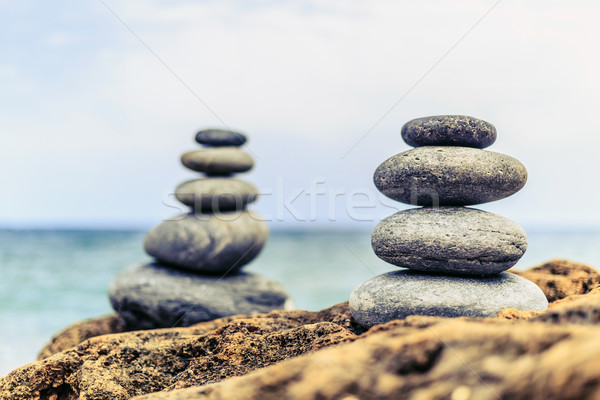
x=551, y=355
x=446, y=359
x=419, y=357
x=120, y=366
x=77, y=333
x=561, y=278
x=576, y=309
x=513, y=313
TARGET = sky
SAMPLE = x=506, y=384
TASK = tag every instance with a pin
x=98, y=99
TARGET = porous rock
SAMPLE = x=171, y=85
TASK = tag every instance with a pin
x=430, y=358
x=418, y=358
x=80, y=331
x=121, y=366
x=562, y=278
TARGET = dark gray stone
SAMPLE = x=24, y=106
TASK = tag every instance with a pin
x=208, y=243
x=449, y=176
x=398, y=294
x=455, y=240
x=449, y=130
x=216, y=194
x=221, y=161
x=154, y=296
x=220, y=137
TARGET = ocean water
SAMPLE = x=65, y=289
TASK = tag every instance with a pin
x=51, y=279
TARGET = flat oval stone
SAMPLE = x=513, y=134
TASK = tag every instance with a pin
x=449, y=176
x=154, y=296
x=449, y=130
x=220, y=137
x=208, y=243
x=216, y=194
x=220, y=161
x=398, y=294
x=454, y=240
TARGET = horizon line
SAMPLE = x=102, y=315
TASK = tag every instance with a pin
x=141, y=226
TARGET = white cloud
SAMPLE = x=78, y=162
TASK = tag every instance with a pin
x=60, y=39
x=8, y=72
x=309, y=79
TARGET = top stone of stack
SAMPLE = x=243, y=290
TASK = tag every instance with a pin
x=449, y=130
x=220, y=138
x=221, y=155
x=448, y=166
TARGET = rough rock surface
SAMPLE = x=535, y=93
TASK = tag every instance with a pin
x=449, y=130
x=455, y=240
x=431, y=359
x=72, y=336
x=216, y=194
x=214, y=243
x=398, y=294
x=121, y=366
x=561, y=278
x=218, y=161
x=154, y=296
x=80, y=331
x=575, y=309
x=449, y=176
x=553, y=356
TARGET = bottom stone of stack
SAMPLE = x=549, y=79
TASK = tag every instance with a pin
x=398, y=294
x=154, y=296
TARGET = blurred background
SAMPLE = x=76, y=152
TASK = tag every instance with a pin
x=98, y=100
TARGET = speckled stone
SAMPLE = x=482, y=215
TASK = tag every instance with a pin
x=449, y=130
x=153, y=296
x=398, y=294
x=220, y=137
x=208, y=243
x=451, y=176
x=454, y=240
x=220, y=161
x=216, y=194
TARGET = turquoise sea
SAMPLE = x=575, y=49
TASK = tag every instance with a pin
x=52, y=278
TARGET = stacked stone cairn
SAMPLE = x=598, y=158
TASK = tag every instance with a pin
x=196, y=274
x=454, y=256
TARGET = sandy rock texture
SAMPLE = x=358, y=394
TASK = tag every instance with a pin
x=561, y=278
x=326, y=355
x=427, y=358
x=120, y=366
x=81, y=331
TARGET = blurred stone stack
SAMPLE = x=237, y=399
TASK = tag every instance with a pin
x=198, y=256
x=455, y=256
